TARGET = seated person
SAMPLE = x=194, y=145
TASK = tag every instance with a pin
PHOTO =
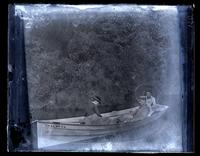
x=96, y=101
x=92, y=110
x=149, y=101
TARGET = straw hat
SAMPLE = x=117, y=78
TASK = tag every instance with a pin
x=96, y=98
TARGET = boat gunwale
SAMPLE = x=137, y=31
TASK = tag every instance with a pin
x=108, y=125
x=80, y=117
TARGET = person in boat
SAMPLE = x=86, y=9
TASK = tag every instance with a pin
x=96, y=101
x=149, y=101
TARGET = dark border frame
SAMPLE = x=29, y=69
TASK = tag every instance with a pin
x=187, y=48
x=18, y=115
x=18, y=62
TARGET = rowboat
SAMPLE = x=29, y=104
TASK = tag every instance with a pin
x=48, y=133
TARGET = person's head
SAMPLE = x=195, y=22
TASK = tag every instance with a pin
x=148, y=94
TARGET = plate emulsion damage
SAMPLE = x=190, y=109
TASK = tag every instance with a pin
x=74, y=54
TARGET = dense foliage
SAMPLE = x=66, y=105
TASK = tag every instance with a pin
x=73, y=55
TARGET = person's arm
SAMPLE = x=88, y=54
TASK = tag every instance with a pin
x=153, y=101
x=142, y=100
x=96, y=110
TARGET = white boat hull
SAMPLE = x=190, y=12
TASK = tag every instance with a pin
x=60, y=131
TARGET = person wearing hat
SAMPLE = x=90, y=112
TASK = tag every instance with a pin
x=149, y=100
x=96, y=101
